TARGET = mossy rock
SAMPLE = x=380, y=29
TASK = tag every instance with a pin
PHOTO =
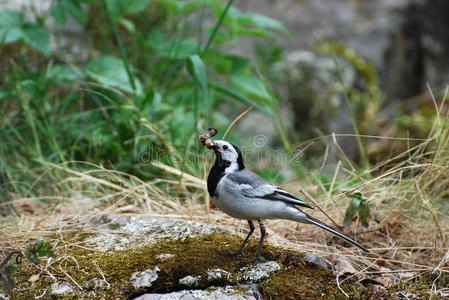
x=169, y=264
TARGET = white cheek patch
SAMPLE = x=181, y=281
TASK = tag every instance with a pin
x=232, y=167
x=229, y=156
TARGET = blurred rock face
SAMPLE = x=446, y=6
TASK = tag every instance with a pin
x=407, y=41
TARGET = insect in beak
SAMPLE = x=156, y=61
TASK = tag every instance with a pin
x=205, y=139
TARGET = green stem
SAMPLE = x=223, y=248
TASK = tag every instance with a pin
x=218, y=25
x=282, y=131
x=120, y=46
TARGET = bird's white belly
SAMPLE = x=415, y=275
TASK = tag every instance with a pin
x=233, y=203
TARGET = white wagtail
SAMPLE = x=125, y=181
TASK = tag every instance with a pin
x=244, y=195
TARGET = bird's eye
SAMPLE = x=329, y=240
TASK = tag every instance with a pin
x=225, y=147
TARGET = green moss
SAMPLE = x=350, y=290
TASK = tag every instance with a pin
x=192, y=256
x=422, y=285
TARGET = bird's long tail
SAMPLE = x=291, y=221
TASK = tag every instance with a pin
x=334, y=231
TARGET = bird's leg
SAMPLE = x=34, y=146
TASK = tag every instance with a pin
x=238, y=253
x=262, y=237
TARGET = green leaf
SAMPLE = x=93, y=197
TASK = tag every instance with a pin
x=127, y=24
x=38, y=37
x=185, y=7
x=13, y=28
x=43, y=248
x=239, y=97
x=31, y=255
x=356, y=194
x=181, y=48
x=110, y=72
x=11, y=22
x=197, y=71
x=10, y=18
x=136, y=6
x=350, y=212
x=324, y=179
x=176, y=49
x=118, y=8
x=62, y=74
x=252, y=86
x=58, y=12
x=364, y=213
x=74, y=8
x=148, y=103
x=237, y=19
x=262, y=22
x=40, y=248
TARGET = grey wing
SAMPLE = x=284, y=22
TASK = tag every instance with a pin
x=252, y=185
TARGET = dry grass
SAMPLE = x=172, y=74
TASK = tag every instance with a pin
x=408, y=236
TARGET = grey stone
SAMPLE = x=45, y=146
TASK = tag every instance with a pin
x=259, y=272
x=190, y=280
x=138, y=231
x=145, y=278
x=96, y=284
x=215, y=274
x=59, y=288
x=227, y=293
x=317, y=261
x=165, y=256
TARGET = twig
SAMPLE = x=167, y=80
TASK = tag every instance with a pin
x=70, y=277
x=236, y=120
x=334, y=139
x=339, y=287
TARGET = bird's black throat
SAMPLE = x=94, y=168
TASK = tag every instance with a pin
x=218, y=170
x=216, y=173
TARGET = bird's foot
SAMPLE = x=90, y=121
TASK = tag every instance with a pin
x=237, y=253
x=254, y=262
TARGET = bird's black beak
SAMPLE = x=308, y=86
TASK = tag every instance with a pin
x=211, y=145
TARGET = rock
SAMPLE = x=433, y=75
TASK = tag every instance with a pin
x=227, y=293
x=96, y=284
x=260, y=271
x=406, y=40
x=317, y=261
x=59, y=288
x=165, y=256
x=217, y=274
x=137, y=231
x=145, y=278
x=190, y=280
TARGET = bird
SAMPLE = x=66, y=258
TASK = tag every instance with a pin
x=242, y=194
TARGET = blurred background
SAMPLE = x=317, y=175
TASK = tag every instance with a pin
x=306, y=89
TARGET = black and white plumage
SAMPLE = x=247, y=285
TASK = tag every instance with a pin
x=243, y=194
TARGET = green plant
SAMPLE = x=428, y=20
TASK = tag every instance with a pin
x=359, y=203
x=151, y=63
